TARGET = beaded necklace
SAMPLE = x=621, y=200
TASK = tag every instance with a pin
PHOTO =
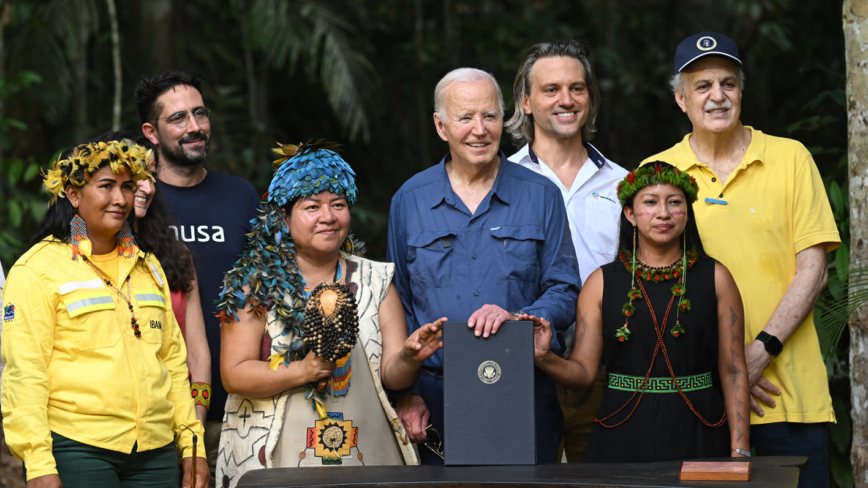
x=338, y=279
x=639, y=270
x=127, y=298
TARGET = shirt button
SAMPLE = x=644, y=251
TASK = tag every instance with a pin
x=473, y=256
x=476, y=293
x=721, y=195
x=713, y=180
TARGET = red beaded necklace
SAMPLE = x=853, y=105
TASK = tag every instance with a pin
x=127, y=298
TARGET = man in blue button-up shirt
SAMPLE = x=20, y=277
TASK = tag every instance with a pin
x=474, y=238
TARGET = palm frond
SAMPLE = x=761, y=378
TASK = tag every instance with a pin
x=51, y=46
x=289, y=32
x=831, y=314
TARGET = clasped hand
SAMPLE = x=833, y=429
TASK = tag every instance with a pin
x=315, y=368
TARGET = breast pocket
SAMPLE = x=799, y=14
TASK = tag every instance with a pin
x=151, y=314
x=519, y=247
x=93, y=319
x=602, y=222
x=429, y=259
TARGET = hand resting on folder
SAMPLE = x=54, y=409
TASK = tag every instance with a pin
x=488, y=319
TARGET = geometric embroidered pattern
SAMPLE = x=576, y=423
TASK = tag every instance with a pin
x=659, y=385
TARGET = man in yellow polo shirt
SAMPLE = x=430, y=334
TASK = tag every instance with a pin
x=763, y=213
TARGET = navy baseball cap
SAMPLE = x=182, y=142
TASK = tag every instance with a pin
x=704, y=44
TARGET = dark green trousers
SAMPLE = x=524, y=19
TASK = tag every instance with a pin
x=83, y=466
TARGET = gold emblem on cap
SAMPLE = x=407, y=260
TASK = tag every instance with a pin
x=488, y=372
x=706, y=48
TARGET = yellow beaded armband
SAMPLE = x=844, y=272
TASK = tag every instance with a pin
x=201, y=392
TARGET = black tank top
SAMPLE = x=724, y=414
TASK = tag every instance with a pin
x=662, y=427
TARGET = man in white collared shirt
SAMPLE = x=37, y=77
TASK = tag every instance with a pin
x=556, y=104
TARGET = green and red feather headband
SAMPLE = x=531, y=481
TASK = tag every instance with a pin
x=657, y=173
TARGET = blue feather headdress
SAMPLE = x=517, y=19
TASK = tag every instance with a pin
x=308, y=169
x=267, y=265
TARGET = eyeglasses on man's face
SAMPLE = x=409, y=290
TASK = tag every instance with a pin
x=182, y=119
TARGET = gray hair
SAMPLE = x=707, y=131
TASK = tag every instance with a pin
x=520, y=125
x=462, y=75
x=677, y=81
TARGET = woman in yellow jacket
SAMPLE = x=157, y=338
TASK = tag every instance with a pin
x=95, y=389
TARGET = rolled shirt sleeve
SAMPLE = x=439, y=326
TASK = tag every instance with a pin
x=813, y=221
x=560, y=284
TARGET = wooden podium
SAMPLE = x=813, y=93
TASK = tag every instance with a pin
x=767, y=472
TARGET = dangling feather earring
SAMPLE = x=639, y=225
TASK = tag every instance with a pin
x=78, y=238
x=126, y=241
x=680, y=290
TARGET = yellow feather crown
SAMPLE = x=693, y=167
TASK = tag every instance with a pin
x=87, y=158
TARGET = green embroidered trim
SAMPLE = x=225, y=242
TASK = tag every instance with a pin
x=659, y=385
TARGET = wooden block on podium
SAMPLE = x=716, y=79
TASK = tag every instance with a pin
x=714, y=471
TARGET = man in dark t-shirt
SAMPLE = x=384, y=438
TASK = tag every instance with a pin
x=212, y=210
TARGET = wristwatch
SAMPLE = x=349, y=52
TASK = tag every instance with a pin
x=773, y=345
x=741, y=451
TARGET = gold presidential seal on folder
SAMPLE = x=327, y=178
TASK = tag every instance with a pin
x=489, y=372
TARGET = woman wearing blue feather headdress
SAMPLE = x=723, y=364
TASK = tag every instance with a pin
x=272, y=332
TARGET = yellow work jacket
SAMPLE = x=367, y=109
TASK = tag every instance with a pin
x=75, y=367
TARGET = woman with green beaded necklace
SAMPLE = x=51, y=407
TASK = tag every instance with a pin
x=674, y=350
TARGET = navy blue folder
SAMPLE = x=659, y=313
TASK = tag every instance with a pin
x=488, y=395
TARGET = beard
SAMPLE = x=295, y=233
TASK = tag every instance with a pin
x=178, y=155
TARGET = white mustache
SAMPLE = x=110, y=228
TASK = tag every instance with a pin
x=715, y=106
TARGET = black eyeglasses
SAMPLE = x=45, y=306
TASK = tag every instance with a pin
x=432, y=441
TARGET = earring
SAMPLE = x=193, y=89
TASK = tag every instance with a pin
x=78, y=238
x=126, y=241
x=680, y=290
x=623, y=333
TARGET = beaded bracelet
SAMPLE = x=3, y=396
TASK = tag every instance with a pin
x=201, y=392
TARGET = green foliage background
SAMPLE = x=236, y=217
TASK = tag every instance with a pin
x=362, y=72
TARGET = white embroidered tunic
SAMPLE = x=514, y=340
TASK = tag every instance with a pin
x=254, y=427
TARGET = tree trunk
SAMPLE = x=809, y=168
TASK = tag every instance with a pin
x=856, y=36
x=79, y=84
x=116, y=60
x=423, y=100
x=4, y=12
x=450, y=25
x=156, y=34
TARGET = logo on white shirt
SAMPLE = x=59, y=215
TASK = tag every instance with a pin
x=597, y=196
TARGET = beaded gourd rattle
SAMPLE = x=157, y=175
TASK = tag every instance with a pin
x=331, y=323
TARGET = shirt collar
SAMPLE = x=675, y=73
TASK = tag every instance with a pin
x=594, y=155
x=686, y=159
x=448, y=194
